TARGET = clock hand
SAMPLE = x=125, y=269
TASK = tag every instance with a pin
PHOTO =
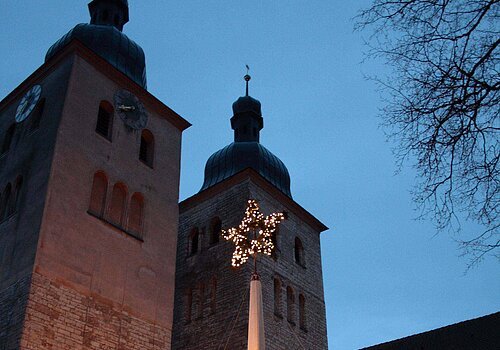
x=124, y=108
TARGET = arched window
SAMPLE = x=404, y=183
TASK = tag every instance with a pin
x=98, y=194
x=200, y=302
x=9, y=136
x=277, y=297
x=17, y=195
x=136, y=213
x=189, y=305
x=146, y=150
x=215, y=228
x=117, y=205
x=104, y=125
x=274, y=239
x=4, y=204
x=36, y=118
x=194, y=239
x=290, y=305
x=302, y=311
x=299, y=252
x=213, y=295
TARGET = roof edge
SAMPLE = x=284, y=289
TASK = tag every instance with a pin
x=77, y=47
x=253, y=175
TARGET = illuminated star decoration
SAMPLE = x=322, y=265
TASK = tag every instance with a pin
x=263, y=226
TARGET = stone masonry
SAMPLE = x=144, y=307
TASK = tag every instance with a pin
x=228, y=322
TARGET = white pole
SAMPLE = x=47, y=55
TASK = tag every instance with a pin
x=256, y=337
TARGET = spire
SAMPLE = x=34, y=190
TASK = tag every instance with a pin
x=247, y=78
x=247, y=116
x=109, y=13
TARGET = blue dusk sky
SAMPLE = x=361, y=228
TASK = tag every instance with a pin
x=386, y=275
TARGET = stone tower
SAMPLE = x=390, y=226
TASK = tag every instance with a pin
x=89, y=178
x=211, y=297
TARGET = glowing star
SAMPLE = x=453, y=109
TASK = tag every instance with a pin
x=263, y=228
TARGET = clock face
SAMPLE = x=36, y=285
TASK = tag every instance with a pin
x=130, y=109
x=28, y=103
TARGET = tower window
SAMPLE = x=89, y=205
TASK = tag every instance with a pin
x=290, y=305
x=136, y=214
x=36, y=118
x=117, y=205
x=146, y=151
x=194, y=239
x=98, y=194
x=277, y=297
x=5, y=202
x=17, y=195
x=189, y=305
x=215, y=229
x=200, y=300
x=213, y=295
x=105, y=15
x=104, y=125
x=9, y=136
x=299, y=252
x=302, y=312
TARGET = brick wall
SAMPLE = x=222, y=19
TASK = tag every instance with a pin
x=229, y=322
x=13, y=300
x=59, y=317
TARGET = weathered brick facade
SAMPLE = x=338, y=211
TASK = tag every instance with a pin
x=228, y=322
x=70, y=279
x=59, y=317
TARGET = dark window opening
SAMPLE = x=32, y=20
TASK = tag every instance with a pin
x=213, y=295
x=98, y=194
x=215, y=229
x=117, y=20
x=5, y=202
x=189, y=305
x=17, y=195
x=302, y=312
x=105, y=15
x=254, y=131
x=117, y=205
x=299, y=252
x=290, y=305
x=194, y=241
x=146, y=150
x=277, y=297
x=104, y=124
x=7, y=141
x=37, y=116
x=136, y=214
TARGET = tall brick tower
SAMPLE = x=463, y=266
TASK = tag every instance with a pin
x=89, y=178
x=211, y=297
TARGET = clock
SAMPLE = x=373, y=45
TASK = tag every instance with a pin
x=130, y=109
x=28, y=103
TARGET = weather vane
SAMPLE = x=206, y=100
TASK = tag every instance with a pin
x=247, y=77
x=262, y=227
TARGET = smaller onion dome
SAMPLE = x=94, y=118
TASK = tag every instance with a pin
x=238, y=156
x=247, y=104
x=246, y=151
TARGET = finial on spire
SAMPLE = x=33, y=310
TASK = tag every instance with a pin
x=247, y=77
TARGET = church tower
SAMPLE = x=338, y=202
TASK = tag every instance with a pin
x=211, y=297
x=89, y=178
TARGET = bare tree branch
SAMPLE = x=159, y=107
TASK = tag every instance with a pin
x=443, y=107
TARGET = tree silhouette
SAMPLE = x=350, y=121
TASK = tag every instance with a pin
x=442, y=107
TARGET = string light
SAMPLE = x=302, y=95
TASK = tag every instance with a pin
x=264, y=228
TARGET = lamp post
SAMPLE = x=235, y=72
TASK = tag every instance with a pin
x=263, y=228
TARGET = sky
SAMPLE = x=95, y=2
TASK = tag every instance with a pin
x=386, y=275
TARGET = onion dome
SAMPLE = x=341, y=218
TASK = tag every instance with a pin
x=246, y=151
x=104, y=36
